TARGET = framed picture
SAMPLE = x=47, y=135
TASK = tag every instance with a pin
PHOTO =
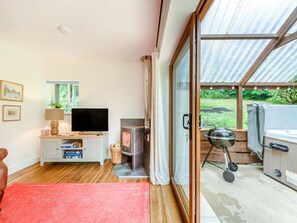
x=11, y=91
x=11, y=113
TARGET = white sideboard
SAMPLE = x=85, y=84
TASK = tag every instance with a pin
x=74, y=148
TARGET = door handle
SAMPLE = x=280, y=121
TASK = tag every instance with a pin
x=186, y=125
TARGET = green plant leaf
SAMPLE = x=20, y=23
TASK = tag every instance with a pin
x=55, y=105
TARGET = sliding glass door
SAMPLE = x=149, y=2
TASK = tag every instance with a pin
x=184, y=125
x=181, y=123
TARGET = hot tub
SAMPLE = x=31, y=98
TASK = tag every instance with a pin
x=271, y=117
x=281, y=164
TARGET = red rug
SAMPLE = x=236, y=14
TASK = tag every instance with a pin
x=104, y=202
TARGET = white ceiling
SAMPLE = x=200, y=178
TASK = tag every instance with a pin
x=109, y=30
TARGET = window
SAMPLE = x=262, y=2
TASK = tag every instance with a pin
x=65, y=93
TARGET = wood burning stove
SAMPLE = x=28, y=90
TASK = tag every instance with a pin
x=133, y=145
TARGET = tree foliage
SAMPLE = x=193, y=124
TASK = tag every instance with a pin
x=258, y=95
x=288, y=96
x=217, y=94
x=283, y=97
x=231, y=94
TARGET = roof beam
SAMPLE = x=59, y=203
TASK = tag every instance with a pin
x=238, y=36
x=277, y=84
x=271, y=46
x=216, y=85
x=287, y=39
x=220, y=84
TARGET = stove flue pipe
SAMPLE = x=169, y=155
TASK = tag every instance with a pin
x=147, y=72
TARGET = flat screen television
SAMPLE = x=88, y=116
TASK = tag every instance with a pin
x=89, y=119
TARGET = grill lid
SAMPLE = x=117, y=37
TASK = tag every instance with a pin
x=221, y=137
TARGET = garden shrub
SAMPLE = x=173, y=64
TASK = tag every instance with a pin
x=258, y=95
x=218, y=94
x=283, y=97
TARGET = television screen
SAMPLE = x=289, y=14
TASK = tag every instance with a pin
x=89, y=119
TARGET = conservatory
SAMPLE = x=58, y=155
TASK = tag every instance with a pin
x=235, y=64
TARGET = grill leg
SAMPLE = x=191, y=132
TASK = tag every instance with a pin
x=207, y=156
x=229, y=164
x=226, y=157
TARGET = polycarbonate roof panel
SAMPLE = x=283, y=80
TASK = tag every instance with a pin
x=228, y=60
x=279, y=66
x=247, y=16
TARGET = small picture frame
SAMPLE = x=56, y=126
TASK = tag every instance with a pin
x=11, y=113
x=10, y=91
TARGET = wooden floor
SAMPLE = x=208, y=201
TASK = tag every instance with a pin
x=163, y=206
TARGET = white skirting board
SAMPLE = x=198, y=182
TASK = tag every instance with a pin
x=20, y=166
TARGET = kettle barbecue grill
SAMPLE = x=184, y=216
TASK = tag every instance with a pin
x=222, y=138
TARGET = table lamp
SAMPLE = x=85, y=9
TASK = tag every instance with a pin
x=54, y=115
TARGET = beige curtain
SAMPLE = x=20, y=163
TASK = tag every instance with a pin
x=159, y=154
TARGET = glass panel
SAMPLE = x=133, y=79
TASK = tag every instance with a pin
x=218, y=108
x=74, y=95
x=180, y=121
x=228, y=60
x=65, y=94
x=279, y=66
x=247, y=16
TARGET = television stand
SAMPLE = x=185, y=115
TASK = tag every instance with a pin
x=74, y=148
x=91, y=133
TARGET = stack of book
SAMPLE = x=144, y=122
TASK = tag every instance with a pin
x=71, y=145
x=73, y=154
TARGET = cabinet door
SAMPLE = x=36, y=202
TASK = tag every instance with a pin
x=51, y=148
x=91, y=149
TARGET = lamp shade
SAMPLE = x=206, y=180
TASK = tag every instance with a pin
x=54, y=114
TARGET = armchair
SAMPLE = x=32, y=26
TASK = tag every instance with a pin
x=3, y=172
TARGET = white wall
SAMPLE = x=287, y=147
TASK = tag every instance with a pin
x=21, y=137
x=116, y=86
